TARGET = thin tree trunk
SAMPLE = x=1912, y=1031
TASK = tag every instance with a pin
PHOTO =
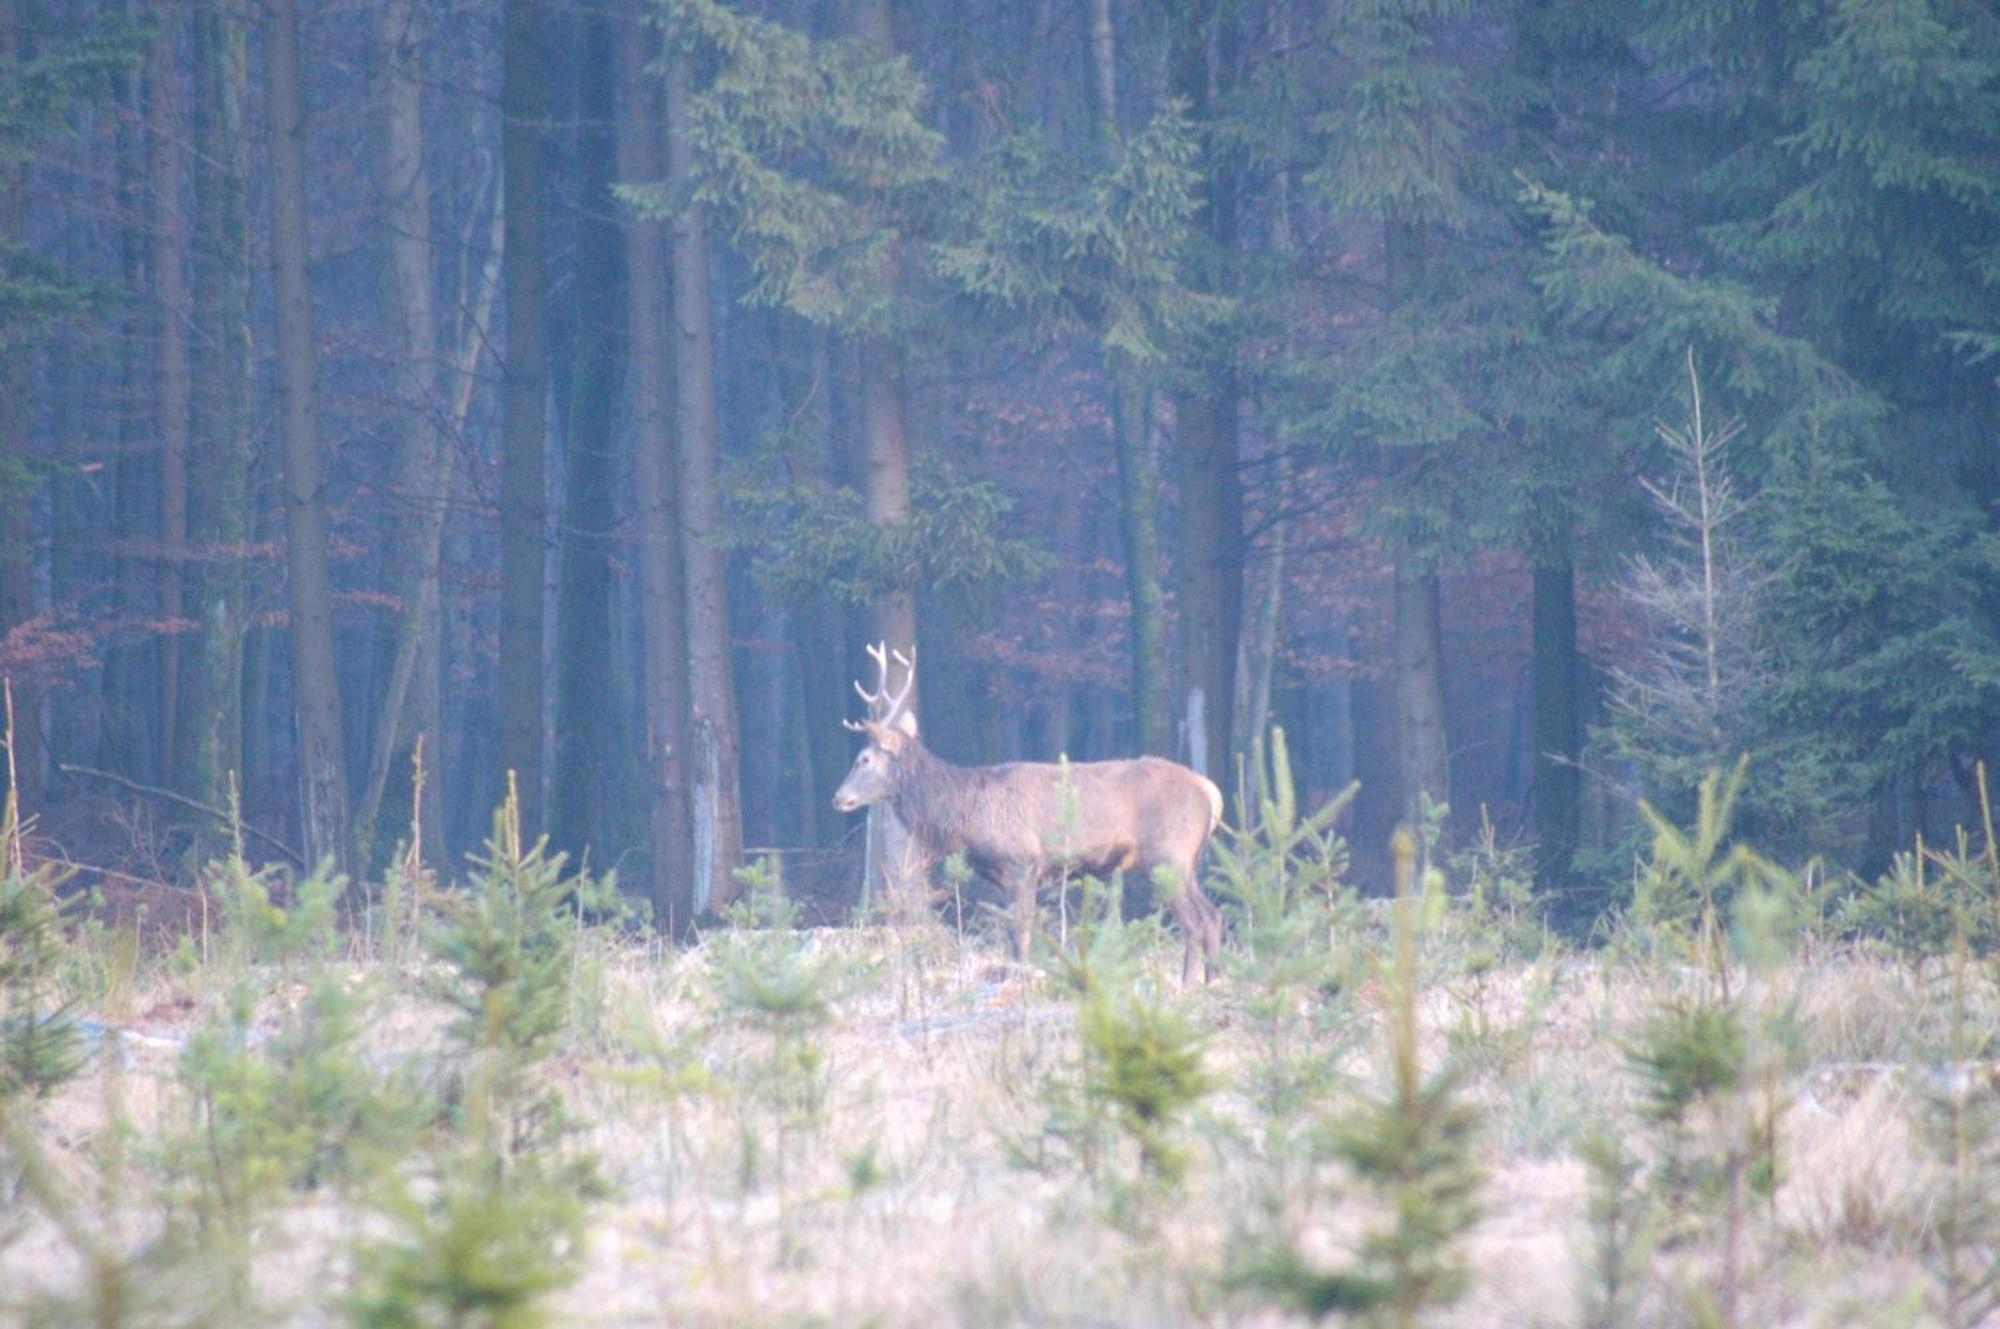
x=715, y=806
x=127, y=693
x=1555, y=779
x=1138, y=472
x=1419, y=687
x=1257, y=644
x=584, y=791
x=817, y=627
x=315, y=687
x=1138, y=509
x=524, y=428
x=17, y=580
x=1207, y=428
x=214, y=702
x=1104, y=73
x=170, y=424
x=423, y=466
x=661, y=583
x=1420, y=720
x=892, y=615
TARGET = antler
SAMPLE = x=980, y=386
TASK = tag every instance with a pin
x=883, y=709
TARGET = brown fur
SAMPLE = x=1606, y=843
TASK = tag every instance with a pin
x=1012, y=825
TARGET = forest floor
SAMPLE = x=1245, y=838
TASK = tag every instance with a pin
x=923, y=1149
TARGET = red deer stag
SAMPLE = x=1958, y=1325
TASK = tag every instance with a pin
x=1012, y=823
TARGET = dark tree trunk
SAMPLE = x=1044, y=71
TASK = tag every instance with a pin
x=818, y=636
x=661, y=583
x=213, y=750
x=1206, y=427
x=1420, y=719
x=1555, y=779
x=892, y=616
x=172, y=387
x=715, y=803
x=423, y=469
x=1419, y=688
x=1131, y=439
x=1210, y=601
x=315, y=685
x=127, y=693
x=524, y=428
x=1138, y=508
x=17, y=581
x=584, y=794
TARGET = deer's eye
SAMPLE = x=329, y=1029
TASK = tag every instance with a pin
x=867, y=758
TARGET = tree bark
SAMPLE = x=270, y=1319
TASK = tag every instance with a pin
x=1138, y=472
x=1419, y=688
x=17, y=580
x=411, y=711
x=315, y=687
x=818, y=628
x=715, y=804
x=584, y=791
x=892, y=615
x=213, y=747
x=1420, y=720
x=171, y=386
x=524, y=427
x=1138, y=510
x=127, y=694
x=1206, y=425
x=661, y=583
x=1556, y=776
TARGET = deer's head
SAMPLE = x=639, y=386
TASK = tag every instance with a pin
x=891, y=729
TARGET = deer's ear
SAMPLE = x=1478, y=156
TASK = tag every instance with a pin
x=907, y=723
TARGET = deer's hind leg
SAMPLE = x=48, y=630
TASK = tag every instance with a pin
x=1200, y=923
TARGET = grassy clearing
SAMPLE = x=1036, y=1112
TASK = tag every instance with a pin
x=474, y=1107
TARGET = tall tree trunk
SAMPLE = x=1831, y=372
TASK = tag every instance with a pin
x=661, y=583
x=170, y=424
x=584, y=793
x=127, y=695
x=524, y=428
x=315, y=687
x=1138, y=471
x=1420, y=720
x=1555, y=780
x=17, y=579
x=213, y=749
x=1206, y=424
x=716, y=810
x=1138, y=509
x=819, y=638
x=1419, y=687
x=892, y=615
x=1257, y=643
x=410, y=709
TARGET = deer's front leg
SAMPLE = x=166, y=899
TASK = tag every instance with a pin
x=1020, y=884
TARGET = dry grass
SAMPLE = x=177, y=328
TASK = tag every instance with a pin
x=904, y=1203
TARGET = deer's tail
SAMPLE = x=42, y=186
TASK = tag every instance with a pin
x=1214, y=793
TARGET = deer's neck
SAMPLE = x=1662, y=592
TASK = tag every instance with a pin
x=928, y=798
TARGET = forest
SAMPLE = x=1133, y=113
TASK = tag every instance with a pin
x=1539, y=461
x=1528, y=406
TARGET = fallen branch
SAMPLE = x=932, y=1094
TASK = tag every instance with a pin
x=151, y=791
